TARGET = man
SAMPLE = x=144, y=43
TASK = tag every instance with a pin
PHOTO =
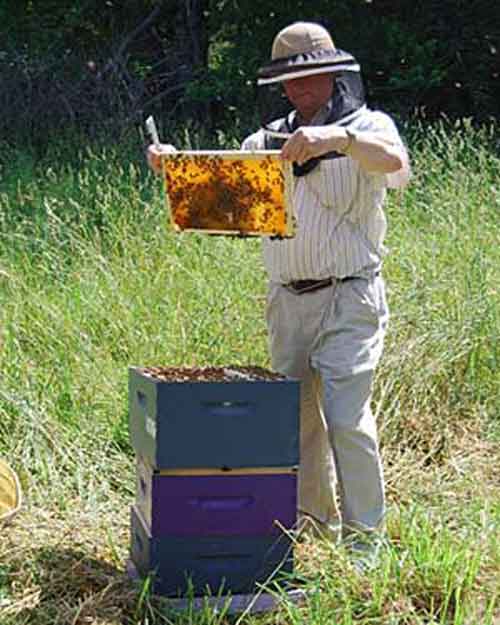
x=326, y=308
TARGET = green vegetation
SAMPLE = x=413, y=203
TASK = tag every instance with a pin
x=92, y=281
x=95, y=66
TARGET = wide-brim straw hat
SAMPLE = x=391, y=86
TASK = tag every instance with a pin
x=304, y=49
x=10, y=493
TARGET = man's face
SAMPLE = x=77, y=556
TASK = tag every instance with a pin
x=309, y=94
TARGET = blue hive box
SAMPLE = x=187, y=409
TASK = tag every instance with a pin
x=214, y=417
x=223, y=503
x=209, y=565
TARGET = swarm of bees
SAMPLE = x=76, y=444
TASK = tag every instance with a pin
x=251, y=373
x=235, y=193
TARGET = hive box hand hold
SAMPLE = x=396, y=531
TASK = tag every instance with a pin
x=238, y=417
x=230, y=192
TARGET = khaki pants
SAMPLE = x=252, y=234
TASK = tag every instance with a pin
x=332, y=340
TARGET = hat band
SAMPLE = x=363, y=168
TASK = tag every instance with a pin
x=307, y=64
x=320, y=54
x=308, y=58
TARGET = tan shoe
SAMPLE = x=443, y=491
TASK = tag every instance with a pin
x=308, y=525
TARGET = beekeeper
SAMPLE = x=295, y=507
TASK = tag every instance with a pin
x=326, y=306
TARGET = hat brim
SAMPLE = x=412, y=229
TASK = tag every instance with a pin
x=310, y=64
x=310, y=71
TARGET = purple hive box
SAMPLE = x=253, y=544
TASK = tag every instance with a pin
x=231, y=503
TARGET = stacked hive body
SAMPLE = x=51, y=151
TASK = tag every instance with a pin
x=217, y=450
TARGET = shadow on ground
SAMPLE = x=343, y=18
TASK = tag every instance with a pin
x=71, y=587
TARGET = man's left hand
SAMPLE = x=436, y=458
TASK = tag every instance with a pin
x=312, y=141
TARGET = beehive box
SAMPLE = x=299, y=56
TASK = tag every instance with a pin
x=208, y=564
x=214, y=417
x=230, y=192
x=234, y=503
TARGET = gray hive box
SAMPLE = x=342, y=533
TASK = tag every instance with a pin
x=235, y=564
x=214, y=417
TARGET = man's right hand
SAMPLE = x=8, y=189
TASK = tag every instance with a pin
x=155, y=152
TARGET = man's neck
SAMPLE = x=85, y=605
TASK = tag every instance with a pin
x=316, y=119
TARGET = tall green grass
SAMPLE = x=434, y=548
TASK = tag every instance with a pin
x=92, y=280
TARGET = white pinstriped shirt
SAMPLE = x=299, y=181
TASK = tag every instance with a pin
x=339, y=209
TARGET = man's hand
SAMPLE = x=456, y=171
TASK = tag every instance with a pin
x=311, y=141
x=154, y=154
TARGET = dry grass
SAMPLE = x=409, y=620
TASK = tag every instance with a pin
x=64, y=563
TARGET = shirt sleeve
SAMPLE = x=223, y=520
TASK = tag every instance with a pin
x=381, y=125
x=256, y=141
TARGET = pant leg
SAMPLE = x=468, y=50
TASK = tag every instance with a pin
x=293, y=323
x=348, y=350
x=316, y=479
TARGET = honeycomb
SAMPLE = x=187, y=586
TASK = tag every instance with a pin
x=245, y=193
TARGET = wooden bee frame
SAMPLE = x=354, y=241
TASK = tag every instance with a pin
x=230, y=192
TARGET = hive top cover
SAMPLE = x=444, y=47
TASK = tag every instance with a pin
x=230, y=192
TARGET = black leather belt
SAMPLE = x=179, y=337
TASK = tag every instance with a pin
x=309, y=286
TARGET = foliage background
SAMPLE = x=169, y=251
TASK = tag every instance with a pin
x=104, y=66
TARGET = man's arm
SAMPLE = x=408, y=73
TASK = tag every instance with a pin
x=374, y=153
